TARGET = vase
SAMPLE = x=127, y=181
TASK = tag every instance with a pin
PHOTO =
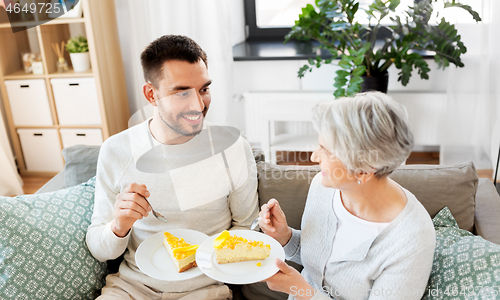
x=80, y=61
x=378, y=82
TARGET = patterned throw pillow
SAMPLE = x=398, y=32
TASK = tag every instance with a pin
x=465, y=266
x=43, y=254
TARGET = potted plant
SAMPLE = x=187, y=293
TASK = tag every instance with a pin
x=78, y=49
x=363, y=59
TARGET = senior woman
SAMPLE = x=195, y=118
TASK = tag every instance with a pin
x=363, y=236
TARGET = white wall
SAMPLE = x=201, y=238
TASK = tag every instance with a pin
x=281, y=75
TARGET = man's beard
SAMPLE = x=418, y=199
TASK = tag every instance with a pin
x=178, y=128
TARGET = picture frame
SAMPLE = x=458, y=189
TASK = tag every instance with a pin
x=72, y=9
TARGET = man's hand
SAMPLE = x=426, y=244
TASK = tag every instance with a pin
x=273, y=222
x=131, y=205
x=290, y=281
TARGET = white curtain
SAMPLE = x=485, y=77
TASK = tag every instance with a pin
x=10, y=181
x=216, y=25
x=470, y=128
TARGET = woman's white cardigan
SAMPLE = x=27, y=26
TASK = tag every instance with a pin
x=394, y=265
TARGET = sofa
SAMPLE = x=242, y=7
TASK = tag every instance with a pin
x=454, y=193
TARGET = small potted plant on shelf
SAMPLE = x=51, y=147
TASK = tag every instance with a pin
x=364, y=60
x=78, y=49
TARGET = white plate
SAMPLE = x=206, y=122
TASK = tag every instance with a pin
x=241, y=272
x=153, y=258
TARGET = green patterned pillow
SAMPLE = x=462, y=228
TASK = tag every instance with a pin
x=465, y=266
x=43, y=254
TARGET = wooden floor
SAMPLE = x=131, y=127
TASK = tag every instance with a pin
x=32, y=184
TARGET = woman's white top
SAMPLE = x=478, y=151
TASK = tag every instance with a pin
x=351, y=230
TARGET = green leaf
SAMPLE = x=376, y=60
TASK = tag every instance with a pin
x=469, y=9
x=355, y=8
x=339, y=93
x=359, y=60
x=338, y=26
x=342, y=73
x=77, y=45
x=405, y=74
x=360, y=70
x=339, y=83
x=356, y=80
x=353, y=89
x=393, y=4
x=347, y=58
x=364, y=49
x=302, y=70
x=344, y=65
x=307, y=10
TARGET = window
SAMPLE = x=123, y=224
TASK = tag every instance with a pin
x=278, y=13
x=273, y=18
x=253, y=31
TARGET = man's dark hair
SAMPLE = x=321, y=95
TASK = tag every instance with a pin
x=169, y=47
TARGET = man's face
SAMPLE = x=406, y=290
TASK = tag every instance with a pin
x=183, y=96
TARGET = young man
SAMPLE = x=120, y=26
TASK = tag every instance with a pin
x=197, y=175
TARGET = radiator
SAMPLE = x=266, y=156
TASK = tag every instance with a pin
x=425, y=114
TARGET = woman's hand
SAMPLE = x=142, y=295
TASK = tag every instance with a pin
x=273, y=223
x=290, y=281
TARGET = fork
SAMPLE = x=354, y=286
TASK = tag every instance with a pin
x=256, y=221
x=156, y=214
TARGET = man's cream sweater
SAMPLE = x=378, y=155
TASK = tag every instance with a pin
x=196, y=192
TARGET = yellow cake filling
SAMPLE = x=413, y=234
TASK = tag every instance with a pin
x=226, y=240
x=229, y=249
x=180, y=248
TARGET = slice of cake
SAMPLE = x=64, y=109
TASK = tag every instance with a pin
x=231, y=248
x=181, y=252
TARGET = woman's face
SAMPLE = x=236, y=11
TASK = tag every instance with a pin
x=334, y=173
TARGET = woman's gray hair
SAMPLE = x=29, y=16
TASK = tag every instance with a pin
x=369, y=132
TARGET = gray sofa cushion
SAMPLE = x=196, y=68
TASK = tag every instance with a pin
x=486, y=221
x=287, y=184
x=439, y=186
x=80, y=163
x=434, y=186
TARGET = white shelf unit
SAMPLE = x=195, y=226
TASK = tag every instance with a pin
x=264, y=110
x=103, y=85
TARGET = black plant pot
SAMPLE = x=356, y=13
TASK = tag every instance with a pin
x=375, y=83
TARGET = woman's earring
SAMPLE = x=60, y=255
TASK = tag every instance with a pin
x=359, y=181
